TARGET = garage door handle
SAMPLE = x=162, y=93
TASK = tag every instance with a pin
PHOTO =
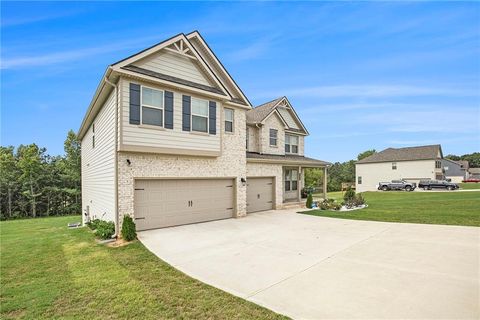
x=141, y=218
x=258, y=196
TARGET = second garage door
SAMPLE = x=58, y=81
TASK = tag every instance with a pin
x=259, y=194
x=165, y=203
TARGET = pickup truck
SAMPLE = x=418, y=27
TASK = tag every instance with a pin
x=437, y=184
x=397, y=185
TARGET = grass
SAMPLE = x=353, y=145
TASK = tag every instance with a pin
x=469, y=186
x=48, y=271
x=450, y=208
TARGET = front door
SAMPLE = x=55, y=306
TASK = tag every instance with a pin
x=290, y=184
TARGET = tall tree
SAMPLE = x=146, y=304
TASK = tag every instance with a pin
x=8, y=175
x=30, y=165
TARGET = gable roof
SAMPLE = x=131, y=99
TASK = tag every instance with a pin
x=260, y=113
x=220, y=79
x=405, y=154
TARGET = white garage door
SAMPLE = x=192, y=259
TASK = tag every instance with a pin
x=259, y=194
x=165, y=203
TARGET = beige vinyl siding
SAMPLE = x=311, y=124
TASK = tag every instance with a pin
x=176, y=138
x=98, y=164
x=216, y=69
x=374, y=173
x=287, y=116
x=175, y=65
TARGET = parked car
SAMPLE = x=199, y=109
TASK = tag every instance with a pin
x=437, y=184
x=397, y=185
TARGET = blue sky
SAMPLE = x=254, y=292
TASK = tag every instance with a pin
x=361, y=75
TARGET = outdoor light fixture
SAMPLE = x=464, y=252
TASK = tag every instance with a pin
x=243, y=180
x=128, y=162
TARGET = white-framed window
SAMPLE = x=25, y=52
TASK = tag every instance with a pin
x=291, y=180
x=273, y=137
x=199, y=115
x=291, y=144
x=359, y=179
x=438, y=164
x=394, y=166
x=152, y=112
x=229, y=120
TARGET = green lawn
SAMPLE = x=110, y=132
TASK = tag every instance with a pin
x=48, y=271
x=469, y=185
x=452, y=208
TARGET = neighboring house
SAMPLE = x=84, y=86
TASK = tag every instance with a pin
x=456, y=171
x=164, y=140
x=412, y=164
x=473, y=173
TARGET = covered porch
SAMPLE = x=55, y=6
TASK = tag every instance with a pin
x=294, y=183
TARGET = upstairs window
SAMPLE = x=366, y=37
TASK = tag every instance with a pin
x=152, y=107
x=394, y=166
x=359, y=179
x=228, y=120
x=291, y=144
x=199, y=115
x=248, y=131
x=438, y=164
x=273, y=137
x=93, y=135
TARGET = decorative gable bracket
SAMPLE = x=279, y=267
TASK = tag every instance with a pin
x=180, y=47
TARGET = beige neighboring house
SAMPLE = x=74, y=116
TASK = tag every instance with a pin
x=171, y=139
x=412, y=164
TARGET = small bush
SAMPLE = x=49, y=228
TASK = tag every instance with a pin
x=128, y=228
x=349, y=195
x=309, y=200
x=329, y=204
x=356, y=201
x=105, y=230
x=93, y=224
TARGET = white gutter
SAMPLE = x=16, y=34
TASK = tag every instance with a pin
x=115, y=178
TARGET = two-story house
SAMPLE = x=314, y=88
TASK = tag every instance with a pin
x=171, y=139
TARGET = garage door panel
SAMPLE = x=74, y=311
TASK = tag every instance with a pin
x=259, y=194
x=164, y=203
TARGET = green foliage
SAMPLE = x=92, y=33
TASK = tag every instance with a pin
x=36, y=184
x=472, y=158
x=349, y=195
x=313, y=177
x=355, y=201
x=309, y=200
x=105, y=229
x=329, y=204
x=93, y=224
x=128, y=228
x=340, y=172
x=364, y=154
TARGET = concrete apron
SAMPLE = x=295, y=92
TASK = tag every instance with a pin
x=311, y=267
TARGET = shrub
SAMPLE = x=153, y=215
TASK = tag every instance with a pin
x=349, y=195
x=105, y=230
x=128, y=228
x=356, y=201
x=309, y=200
x=93, y=224
x=329, y=204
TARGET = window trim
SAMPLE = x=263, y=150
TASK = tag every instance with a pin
x=152, y=107
x=93, y=135
x=394, y=166
x=289, y=177
x=225, y=120
x=247, y=137
x=290, y=144
x=199, y=115
x=359, y=180
x=270, y=137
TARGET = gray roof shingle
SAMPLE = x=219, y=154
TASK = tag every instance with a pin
x=290, y=158
x=257, y=114
x=404, y=154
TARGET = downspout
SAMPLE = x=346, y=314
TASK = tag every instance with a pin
x=115, y=178
x=258, y=137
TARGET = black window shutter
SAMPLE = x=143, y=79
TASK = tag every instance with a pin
x=186, y=106
x=134, y=103
x=168, y=110
x=212, y=117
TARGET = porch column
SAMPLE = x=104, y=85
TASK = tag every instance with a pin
x=299, y=184
x=325, y=182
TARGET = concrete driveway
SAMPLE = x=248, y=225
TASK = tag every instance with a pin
x=310, y=267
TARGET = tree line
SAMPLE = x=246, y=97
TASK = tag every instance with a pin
x=33, y=183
